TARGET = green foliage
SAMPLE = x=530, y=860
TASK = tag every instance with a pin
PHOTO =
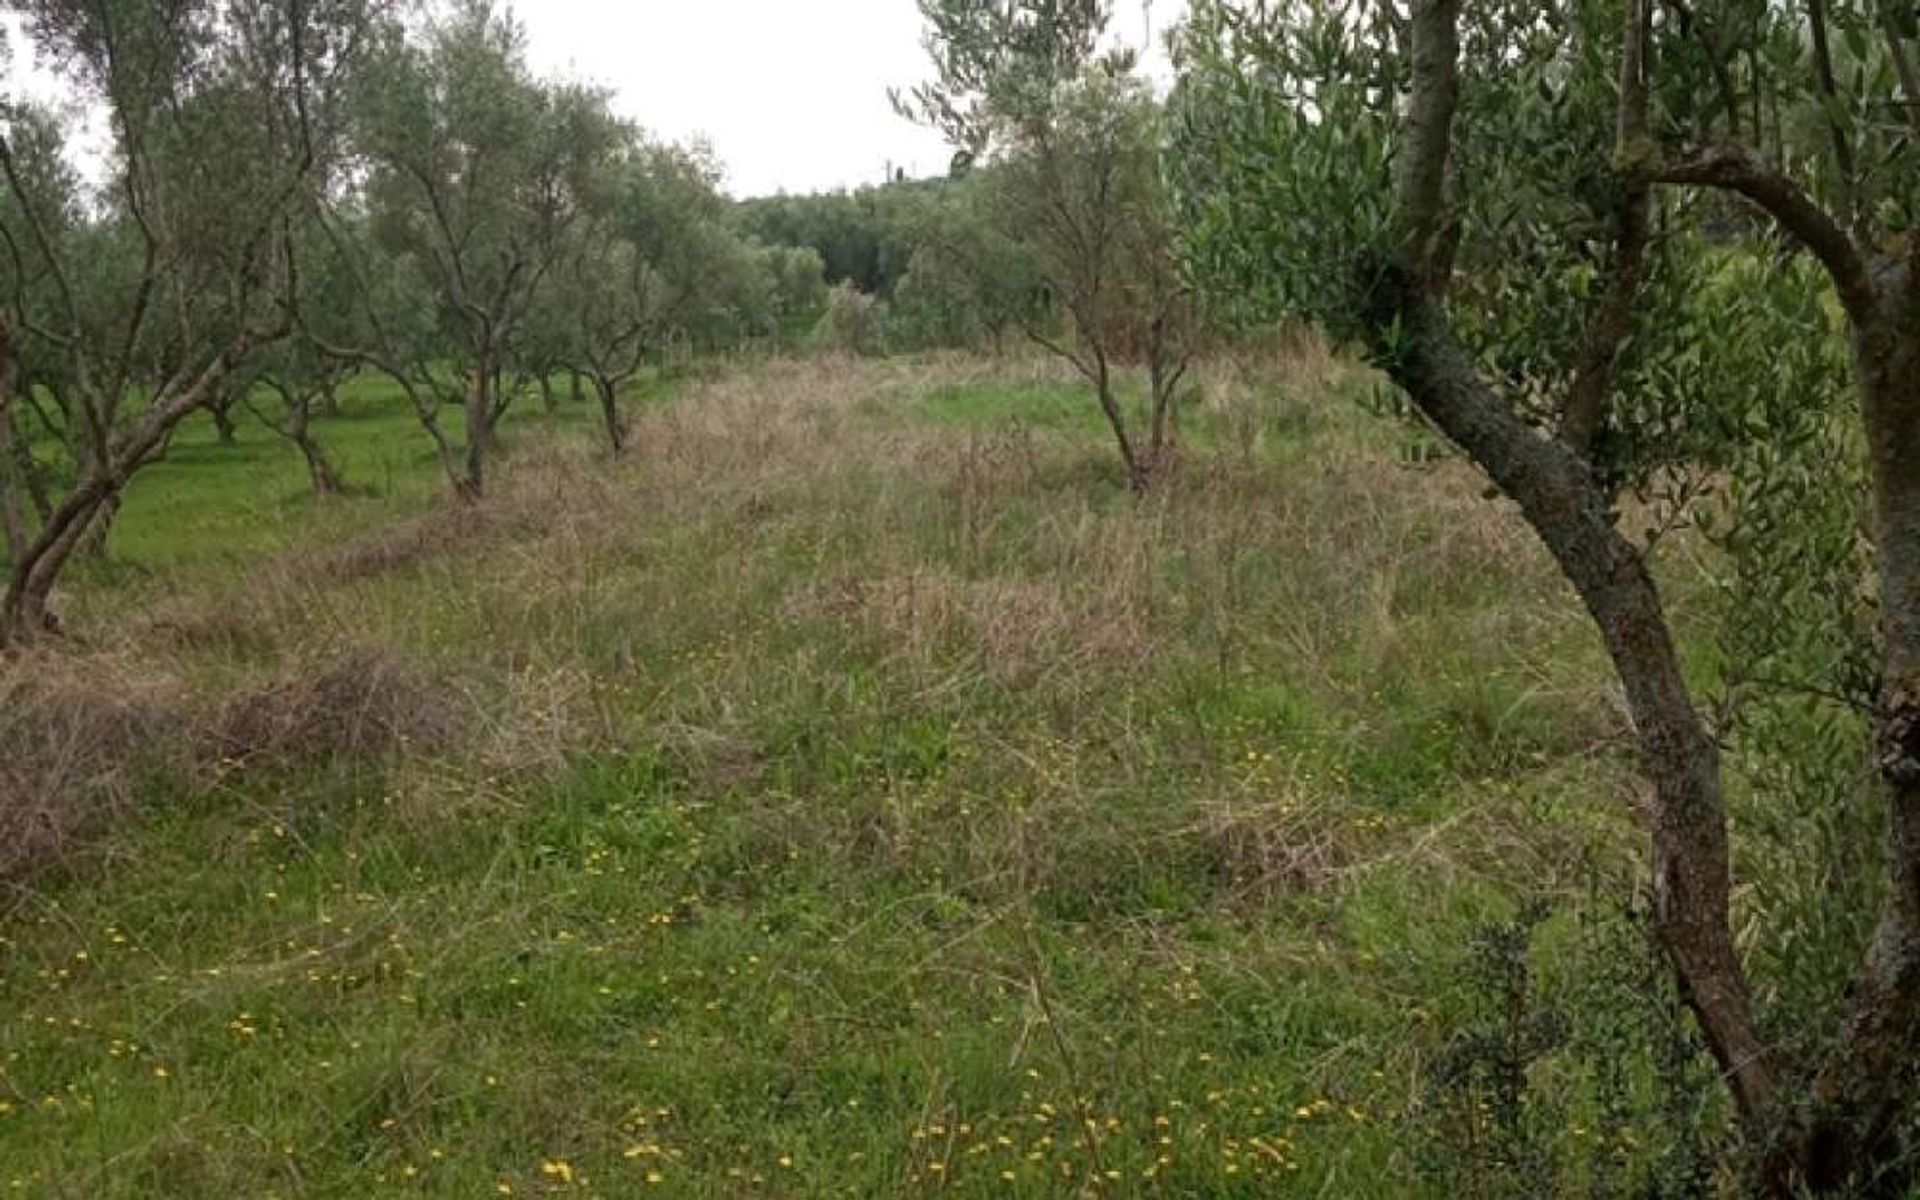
x=854, y=323
x=652, y=260
x=478, y=175
x=1284, y=200
x=1000, y=62
x=1083, y=202
x=971, y=282
x=125, y=309
x=865, y=237
x=1730, y=406
x=1069, y=151
x=1574, y=1070
x=1795, y=627
x=797, y=283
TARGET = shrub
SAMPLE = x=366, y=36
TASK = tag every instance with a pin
x=853, y=325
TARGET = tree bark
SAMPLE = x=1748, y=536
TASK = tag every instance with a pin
x=609, y=392
x=1584, y=413
x=1866, y=1086
x=13, y=514
x=1166, y=366
x=479, y=430
x=99, y=523
x=321, y=476
x=26, y=467
x=221, y=407
x=1841, y=1134
x=24, y=612
x=13, y=484
x=1139, y=473
x=1411, y=336
x=1572, y=517
x=320, y=472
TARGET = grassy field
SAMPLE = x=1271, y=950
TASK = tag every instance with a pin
x=854, y=792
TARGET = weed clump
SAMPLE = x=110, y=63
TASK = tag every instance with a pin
x=77, y=737
x=368, y=704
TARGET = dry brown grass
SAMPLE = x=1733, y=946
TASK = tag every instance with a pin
x=77, y=734
x=503, y=639
x=1265, y=848
x=1018, y=628
x=358, y=703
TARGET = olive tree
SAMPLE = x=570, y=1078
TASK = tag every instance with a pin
x=284, y=395
x=640, y=267
x=140, y=303
x=968, y=283
x=1069, y=142
x=1524, y=246
x=475, y=175
x=296, y=380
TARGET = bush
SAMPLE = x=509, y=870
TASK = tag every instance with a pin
x=853, y=324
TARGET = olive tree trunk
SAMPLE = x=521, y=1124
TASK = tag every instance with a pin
x=85, y=511
x=615, y=423
x=1839, y=1129
x=1573, y=518
x=295, y=423
x=1867, y=1084
x=13, y=483
x=220, y=407
x=480, y=418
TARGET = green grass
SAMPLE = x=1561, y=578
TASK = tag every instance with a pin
x=221, y=505
x=845, y=804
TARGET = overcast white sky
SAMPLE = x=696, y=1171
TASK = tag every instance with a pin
x=792, y=94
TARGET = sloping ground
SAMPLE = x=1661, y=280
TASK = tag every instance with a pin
x=852, y=793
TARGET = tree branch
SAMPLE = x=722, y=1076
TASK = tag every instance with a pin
x=1421, y=182
x=1584, y=412
x=1830, y=88
x=1902, y=63
x=1737, y=169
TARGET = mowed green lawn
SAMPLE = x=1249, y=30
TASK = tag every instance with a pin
x=854, y=793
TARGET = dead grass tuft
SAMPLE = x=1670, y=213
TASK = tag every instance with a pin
x=1262, y=850
x=408, y=544
x=78, y=735
x=365, y=705
x=547, y=716
x=1017, y=627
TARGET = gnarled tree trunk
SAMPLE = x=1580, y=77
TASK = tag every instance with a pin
x=1554, y=487
x=296, y=425
x=1864, y=1089
x=480, y=415
x=608, y=390
x=24, y=611
x=1839, y=1131
x=1573, y=518
x=13, y=483
x=221, y=409
x=321, y=475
